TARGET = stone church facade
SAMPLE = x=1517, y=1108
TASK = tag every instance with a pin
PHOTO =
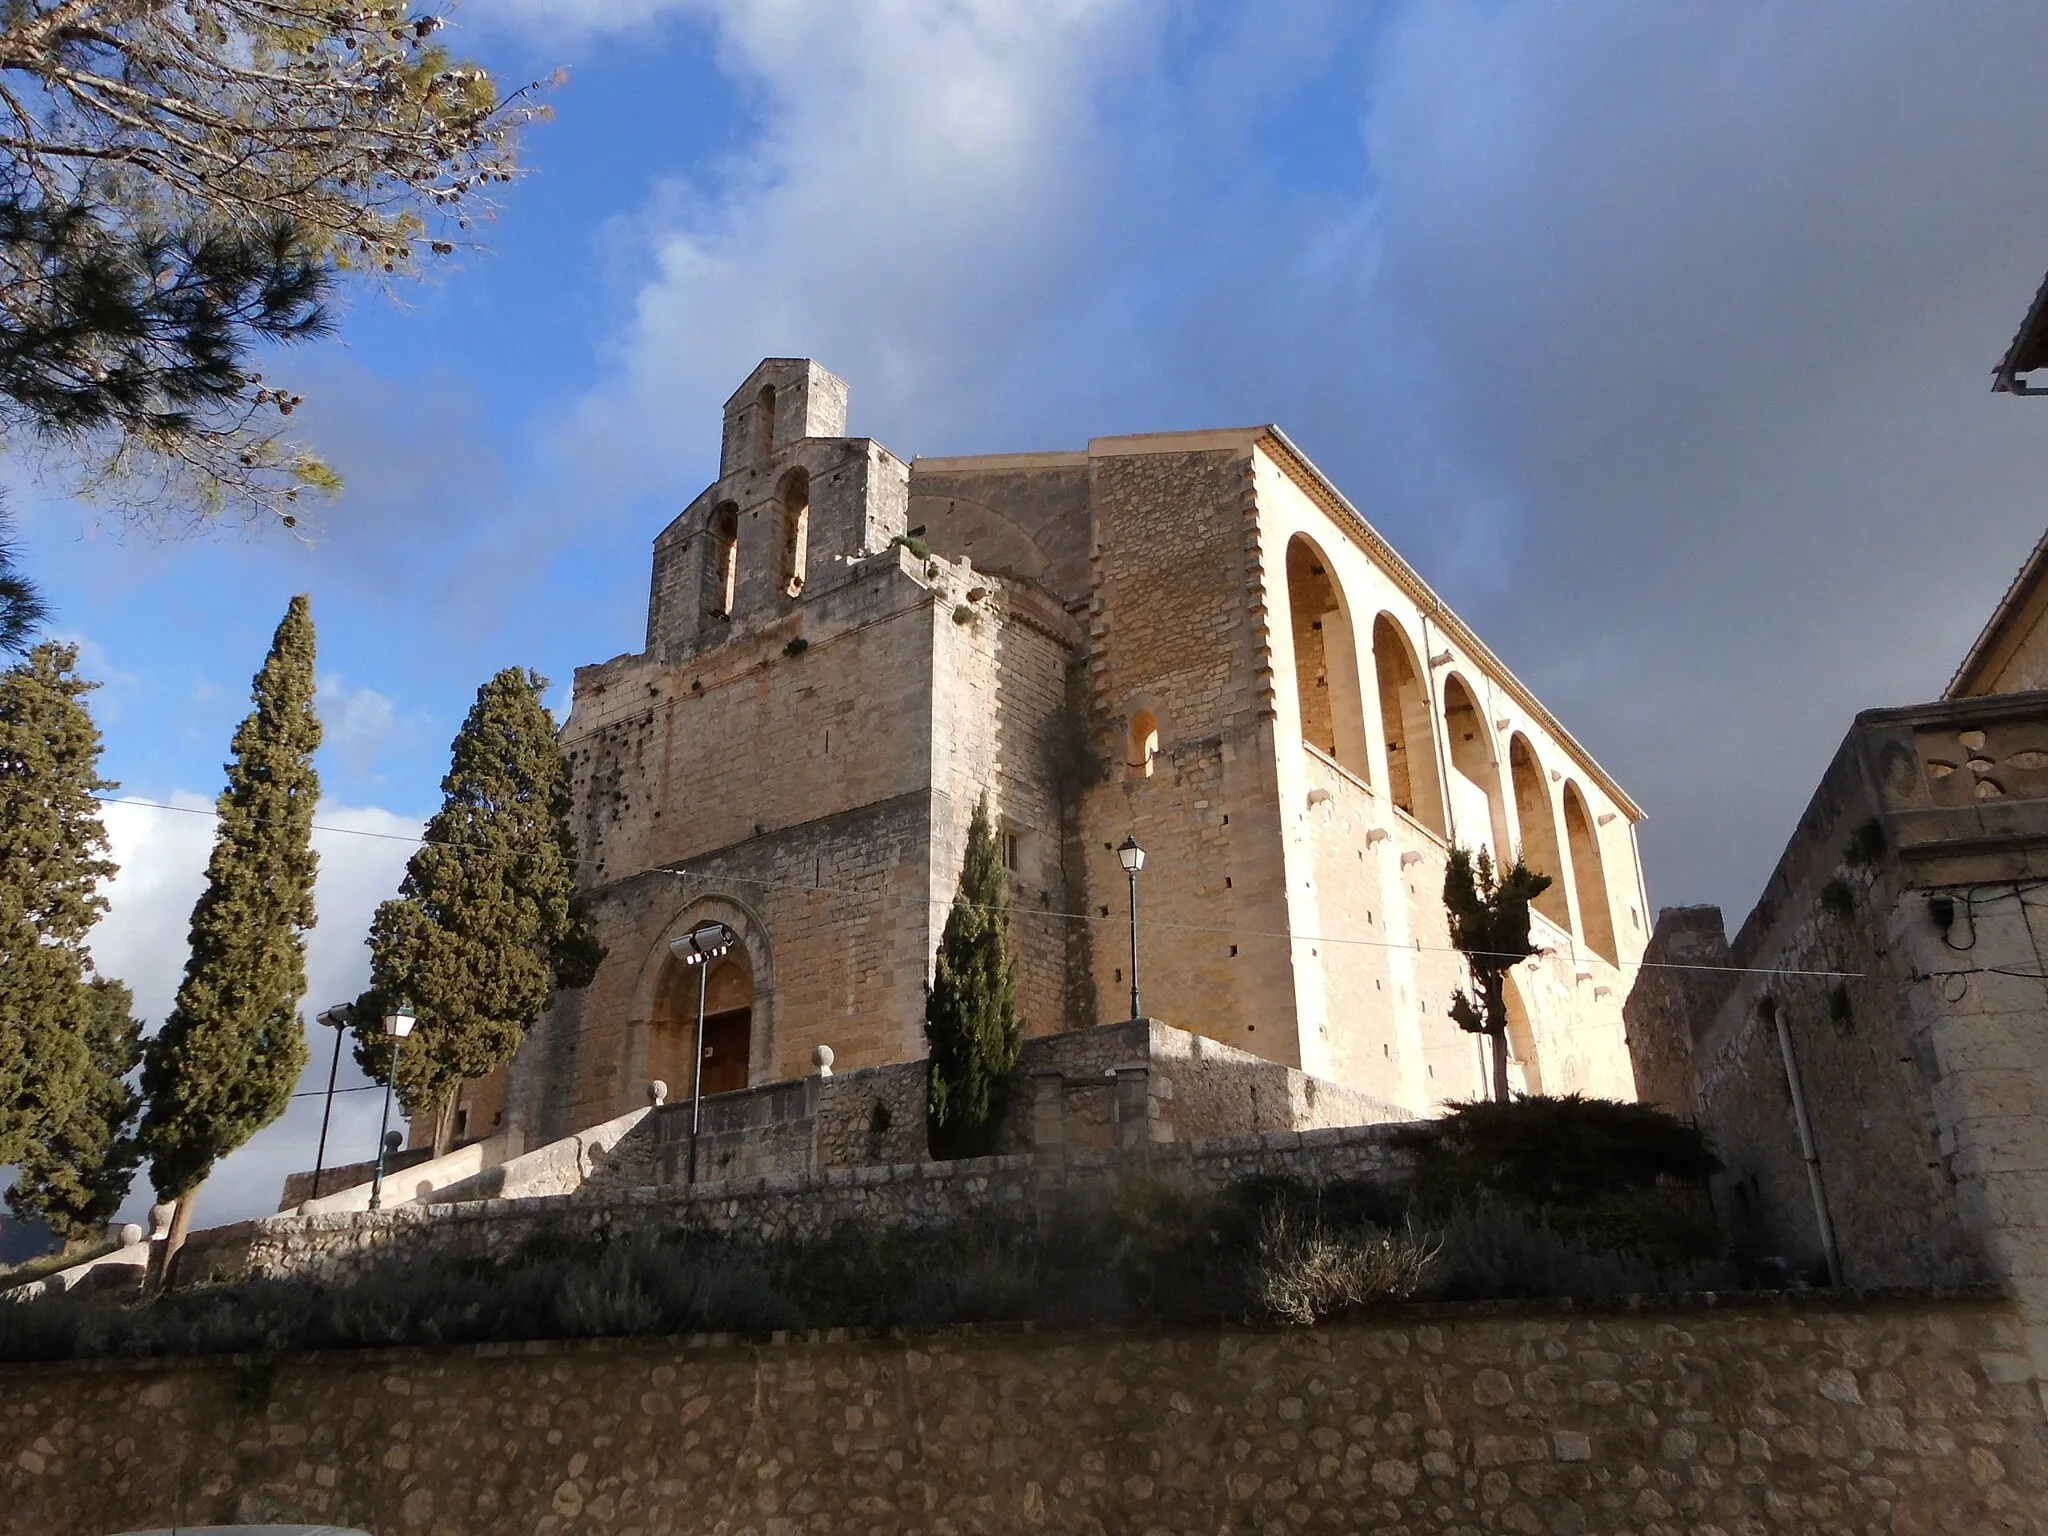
x=1191, y=638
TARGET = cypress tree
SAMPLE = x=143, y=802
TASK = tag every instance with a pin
x=486, y=924
x=971, y=1030
x=225, y=1062
x=75, y=1179
x=1489, y=919
x=51, y=864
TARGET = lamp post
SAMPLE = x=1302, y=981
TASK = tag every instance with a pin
x=1132, y=857
x=397, y=1025
x=338, y=1018
x=699, y=947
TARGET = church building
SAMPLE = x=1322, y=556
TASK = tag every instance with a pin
x=1191, y=639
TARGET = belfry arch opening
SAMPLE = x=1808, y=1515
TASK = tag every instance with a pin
x=728, y=1025
x=1405, y=717
x=1325, y=660
x=722, y=568
x=1589, y=877
x=1539, y=829
x=795, y=499
x=1475, y=775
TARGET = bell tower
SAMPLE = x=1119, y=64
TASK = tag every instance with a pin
x=795, y=503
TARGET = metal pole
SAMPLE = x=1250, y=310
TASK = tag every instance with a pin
x=697, y=1071
x=383, y=1121
x=320, y=1157
x=1813, y=1180
x=1136, y=1011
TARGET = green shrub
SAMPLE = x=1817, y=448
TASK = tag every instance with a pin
x=1539, y=1150
x=1264, y=1250
x=1494, y=1248
x=1620, y=1177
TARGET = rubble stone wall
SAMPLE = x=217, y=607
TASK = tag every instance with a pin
x=1831, y=1415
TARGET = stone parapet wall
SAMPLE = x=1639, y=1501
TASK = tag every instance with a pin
x=300, y=1187
x=1187, y=1088
x=1827, y=1416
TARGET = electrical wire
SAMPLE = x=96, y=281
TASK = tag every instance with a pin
x=1021, y=910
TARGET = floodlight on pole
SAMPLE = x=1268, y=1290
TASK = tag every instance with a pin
x=1132, y=857
x=699, y=947
x=398, y=1023
x=338, y=1018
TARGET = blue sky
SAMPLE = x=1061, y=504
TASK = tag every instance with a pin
x=1656, y=337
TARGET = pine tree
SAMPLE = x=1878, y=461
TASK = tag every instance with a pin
x=51, y=864
x=168, y=172
x=75, y=1178
x=486, y=925
x=22, y=610
x=227, y=1058
x=1489, y=919
x=971, y=1029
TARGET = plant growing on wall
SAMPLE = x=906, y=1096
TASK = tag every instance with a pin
x=226, y=1061
x=74, y=1177
x=1489, y=919
x=971, y=1030
x=1074, y=757
x=51, y=866
x=486, y=924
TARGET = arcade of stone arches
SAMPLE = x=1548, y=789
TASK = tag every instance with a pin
x=1443, y=767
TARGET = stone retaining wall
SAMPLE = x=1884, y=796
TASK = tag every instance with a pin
x=787, y=1205
x=1832, y=1415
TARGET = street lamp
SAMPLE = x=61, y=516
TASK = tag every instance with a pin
x=1132, y=857
x=397, y=1025
x=699, y=947
x=338, y=1018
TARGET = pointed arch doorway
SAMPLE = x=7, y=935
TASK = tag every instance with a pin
x=728, y=1025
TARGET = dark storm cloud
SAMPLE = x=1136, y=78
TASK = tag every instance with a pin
x=1714, y=293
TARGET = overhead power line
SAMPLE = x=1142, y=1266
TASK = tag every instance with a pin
x=1022, y=910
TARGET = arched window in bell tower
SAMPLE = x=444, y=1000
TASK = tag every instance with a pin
x=722, y=569
x=796, y=529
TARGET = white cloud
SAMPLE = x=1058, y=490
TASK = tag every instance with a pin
x=143, y=940
x=918, y=195
x=356, y=723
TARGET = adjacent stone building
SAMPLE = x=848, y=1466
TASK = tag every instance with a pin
x=1191, y=638
x=1870, y=1054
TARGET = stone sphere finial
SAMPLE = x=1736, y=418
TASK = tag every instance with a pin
x=130, y=1234
x=160, y=1219
x=823, y=1057
x=657, y=1092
